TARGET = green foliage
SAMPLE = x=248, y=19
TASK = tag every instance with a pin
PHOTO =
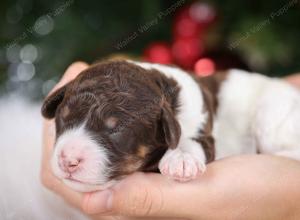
x=92, y=29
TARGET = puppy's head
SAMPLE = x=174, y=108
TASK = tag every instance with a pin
x=115, y=118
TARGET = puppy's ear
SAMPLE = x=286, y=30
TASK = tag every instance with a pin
x=52, y=102
x=170, y=125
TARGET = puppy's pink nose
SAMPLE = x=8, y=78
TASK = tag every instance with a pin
x=69, y=164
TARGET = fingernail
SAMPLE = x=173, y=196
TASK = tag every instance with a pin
x=98, y=202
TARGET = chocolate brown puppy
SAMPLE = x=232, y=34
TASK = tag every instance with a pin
x=118, y=117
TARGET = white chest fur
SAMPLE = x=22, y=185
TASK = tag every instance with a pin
x=187, y=161
x=191, y=116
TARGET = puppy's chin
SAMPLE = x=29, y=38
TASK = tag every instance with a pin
x=85, y=187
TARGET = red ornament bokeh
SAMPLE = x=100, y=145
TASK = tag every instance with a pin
x=186, y=51
x=158, y=52
x=204, y=67
x=190, y=25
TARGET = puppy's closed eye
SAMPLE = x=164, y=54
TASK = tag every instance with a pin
x=111, y=122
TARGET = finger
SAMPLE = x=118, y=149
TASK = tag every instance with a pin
x=294, y=79
x=73, y=70
x=97, y=217
x=48, y=143
x=143, y=195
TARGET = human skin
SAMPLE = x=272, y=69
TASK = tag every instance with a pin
x=241, y=187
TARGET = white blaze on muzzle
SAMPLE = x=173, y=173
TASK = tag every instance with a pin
x=80, y=161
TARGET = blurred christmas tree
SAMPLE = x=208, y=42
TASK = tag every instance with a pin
x=39, y=39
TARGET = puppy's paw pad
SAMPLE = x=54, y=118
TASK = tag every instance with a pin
x=181, y=166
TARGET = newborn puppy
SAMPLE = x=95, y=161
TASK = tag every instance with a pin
x=118, y=117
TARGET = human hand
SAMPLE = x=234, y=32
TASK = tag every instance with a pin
x=242, y=187
x=294, y=79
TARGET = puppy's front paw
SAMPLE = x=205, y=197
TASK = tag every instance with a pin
x=181, y=166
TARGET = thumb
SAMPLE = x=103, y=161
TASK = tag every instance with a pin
x=141, y=195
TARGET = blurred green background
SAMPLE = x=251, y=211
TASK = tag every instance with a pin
x=39, y=39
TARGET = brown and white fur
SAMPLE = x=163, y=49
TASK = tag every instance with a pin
x=192, y=121
x=251, y=113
